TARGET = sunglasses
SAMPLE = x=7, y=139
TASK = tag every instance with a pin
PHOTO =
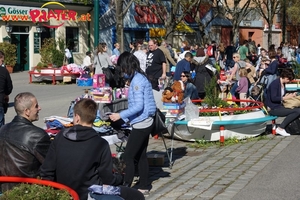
x=182, y=76
x=234, y=57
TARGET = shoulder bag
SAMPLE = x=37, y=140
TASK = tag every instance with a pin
x=159, y=123
x=292, y=102
x=107, y=72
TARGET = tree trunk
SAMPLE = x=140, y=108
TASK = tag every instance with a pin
x=270, y=35
x=119, y=25
x=236, y=36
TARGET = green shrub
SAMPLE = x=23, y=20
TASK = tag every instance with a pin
x=52, y=52
x=35, y=192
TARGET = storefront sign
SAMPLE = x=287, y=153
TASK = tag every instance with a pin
x=60, y=15
x=16, y=13
x=43, y=14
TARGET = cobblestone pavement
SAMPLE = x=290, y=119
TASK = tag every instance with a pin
x=212, y=173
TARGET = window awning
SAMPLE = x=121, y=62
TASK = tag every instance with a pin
x=183, y=27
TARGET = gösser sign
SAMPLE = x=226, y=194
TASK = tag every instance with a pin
x=17, y=13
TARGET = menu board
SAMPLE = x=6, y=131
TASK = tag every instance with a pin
x=36, y=40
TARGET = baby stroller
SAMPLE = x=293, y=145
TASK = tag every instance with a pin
x=257, y=92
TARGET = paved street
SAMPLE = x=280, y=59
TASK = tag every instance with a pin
x=266, y=169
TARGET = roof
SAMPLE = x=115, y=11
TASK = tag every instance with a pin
x=218, y=21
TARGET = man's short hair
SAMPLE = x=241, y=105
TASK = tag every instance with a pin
x=88, y=53
x=86, y=109
x=188, y=55
x=23, y=101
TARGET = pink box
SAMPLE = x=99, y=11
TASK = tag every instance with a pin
x=98, y=80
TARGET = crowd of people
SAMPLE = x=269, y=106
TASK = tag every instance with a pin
x=26, y=150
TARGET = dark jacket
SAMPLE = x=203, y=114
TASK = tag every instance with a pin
x=274, y=96
x=78, y=157
x=23, y=148
x=203, y=75
x=5, y=84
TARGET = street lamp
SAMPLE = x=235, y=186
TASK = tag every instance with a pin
x=39, y=28
x=8, y=28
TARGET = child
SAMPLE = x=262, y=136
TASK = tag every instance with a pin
x=243, y=86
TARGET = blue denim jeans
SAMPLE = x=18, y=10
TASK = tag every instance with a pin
x=2, y=119
x=233, y=89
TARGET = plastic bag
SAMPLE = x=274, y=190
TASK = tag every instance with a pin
x=191, y=111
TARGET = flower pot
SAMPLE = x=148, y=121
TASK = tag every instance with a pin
x=10, y=68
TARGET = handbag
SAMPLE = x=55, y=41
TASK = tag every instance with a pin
x=159, y=123
x=107, y=72
x=292, y=102
x=294, y=127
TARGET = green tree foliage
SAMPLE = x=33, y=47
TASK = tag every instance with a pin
x=293, y=11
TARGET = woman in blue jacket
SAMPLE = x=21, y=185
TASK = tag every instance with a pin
x=276, y=94
x=140, y=113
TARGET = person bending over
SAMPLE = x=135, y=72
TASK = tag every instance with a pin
x=276, y=94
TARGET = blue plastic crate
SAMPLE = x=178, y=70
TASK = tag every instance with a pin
x=84, y=82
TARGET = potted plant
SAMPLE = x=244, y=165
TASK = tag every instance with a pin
x=52, y=52
x=35, y=188
x=10, y=55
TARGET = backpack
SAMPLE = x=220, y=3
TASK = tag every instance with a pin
x=210, y=50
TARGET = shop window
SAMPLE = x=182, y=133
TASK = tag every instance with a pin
x=72, y=38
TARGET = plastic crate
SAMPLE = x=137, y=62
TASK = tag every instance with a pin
x=84, y=82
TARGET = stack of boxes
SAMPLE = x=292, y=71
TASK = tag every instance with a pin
x=173, y=110
x=102, y=95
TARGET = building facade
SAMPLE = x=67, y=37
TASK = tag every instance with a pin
x=31, y=22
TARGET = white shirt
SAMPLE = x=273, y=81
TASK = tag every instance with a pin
x=87, y=61
x=142, y=57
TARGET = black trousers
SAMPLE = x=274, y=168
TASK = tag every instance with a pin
x=136, y=149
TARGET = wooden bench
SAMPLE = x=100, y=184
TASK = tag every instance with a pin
x=53, y=74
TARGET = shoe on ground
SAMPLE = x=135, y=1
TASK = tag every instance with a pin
x=145, y=192
x=282, y=132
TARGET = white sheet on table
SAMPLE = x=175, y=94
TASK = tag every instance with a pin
x=112, y=139
x=201, y=122
x=63, y=120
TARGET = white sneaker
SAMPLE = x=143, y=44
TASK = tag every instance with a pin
x=282, y=132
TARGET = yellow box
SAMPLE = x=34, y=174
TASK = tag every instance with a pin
x=155, y=159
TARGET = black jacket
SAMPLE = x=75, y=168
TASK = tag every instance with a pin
x=5, y=84
x=78, y=157
x=23, y=148
x=203, y=75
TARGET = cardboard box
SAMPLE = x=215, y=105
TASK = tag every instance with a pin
x=155, y=159
x=172, y=106
x=67, y=79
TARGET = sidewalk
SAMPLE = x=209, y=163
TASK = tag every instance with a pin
x=265, y=169
x=222, y=173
